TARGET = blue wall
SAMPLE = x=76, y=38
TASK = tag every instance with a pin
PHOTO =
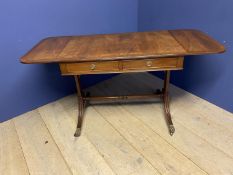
x=210, y=77
x=24, y=23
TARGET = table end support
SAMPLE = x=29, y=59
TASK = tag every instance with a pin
x=165, y=97
x=81, y=106
x=83, y=98
x=77, y=132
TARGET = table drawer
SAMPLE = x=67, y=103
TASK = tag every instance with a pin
x=153, y=64
x=89, y=67
x=141, y=65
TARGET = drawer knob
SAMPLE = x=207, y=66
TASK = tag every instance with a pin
x=93, y=66
x=149, y=63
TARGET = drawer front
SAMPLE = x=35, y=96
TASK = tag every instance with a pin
x=153, y=64
x=89, y=67
x=142, y=65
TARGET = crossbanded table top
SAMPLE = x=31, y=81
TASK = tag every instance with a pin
x=136, y=45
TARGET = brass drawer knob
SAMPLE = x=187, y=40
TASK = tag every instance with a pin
x=149, y=63
x=93, y=66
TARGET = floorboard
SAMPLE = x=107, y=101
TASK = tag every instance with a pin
x=11, y=155
x=124, y=138
x=165, y=158
x=211, y=156
x=79, y=153
x=121, y=156
x=203, y=118
x=40, y=151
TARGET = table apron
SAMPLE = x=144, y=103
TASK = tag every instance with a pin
x=122, y=66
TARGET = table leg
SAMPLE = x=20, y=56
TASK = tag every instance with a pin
x=81, y=104
x=166, y=103
x=82, y=101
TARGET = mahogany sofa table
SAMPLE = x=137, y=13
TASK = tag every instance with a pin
x=122, y=53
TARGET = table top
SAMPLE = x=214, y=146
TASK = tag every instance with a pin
x=137, y=45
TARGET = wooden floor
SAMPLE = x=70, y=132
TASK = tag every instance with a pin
x=120, y=138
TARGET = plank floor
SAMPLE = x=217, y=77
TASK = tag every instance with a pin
x=120, y=138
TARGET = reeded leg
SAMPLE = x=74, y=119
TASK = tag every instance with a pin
x=166, y=103
x=80, y=107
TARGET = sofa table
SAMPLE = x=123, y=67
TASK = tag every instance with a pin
x=122, y=53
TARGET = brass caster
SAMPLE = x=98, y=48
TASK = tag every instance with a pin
x=171, y=130
x=77, y=132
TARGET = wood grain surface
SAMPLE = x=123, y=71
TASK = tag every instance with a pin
x=125, y=46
